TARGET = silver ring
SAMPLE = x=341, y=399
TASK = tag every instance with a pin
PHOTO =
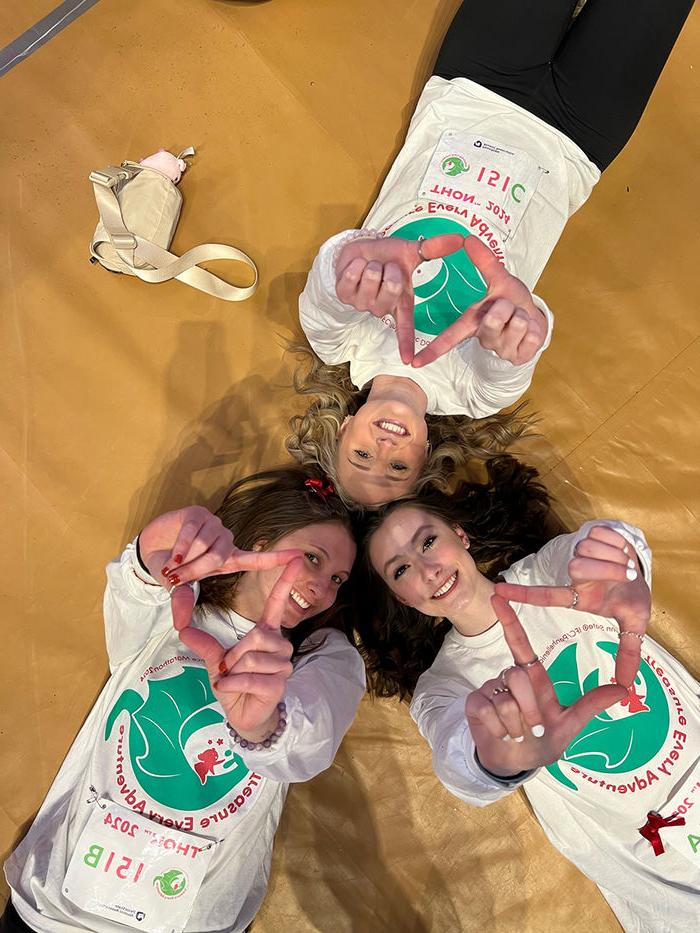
x=513, y=667
x=530, y=663
x=421, y=239
x=574, y=596
x=497, y=690
x=633, y=634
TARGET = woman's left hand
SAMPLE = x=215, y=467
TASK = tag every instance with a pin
x=250, y=679
x=606, y=575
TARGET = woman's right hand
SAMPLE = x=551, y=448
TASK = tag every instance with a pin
x=516, y=720
x=190, y=544
x=375, y=275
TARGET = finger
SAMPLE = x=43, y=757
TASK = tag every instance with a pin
x=277, y=600
x=259, y=560
x=508, y=712
x=629, y=656
x=485, y=261
x=206, y=646
x=187, y=534
x=389, y=291
x=435, y=247
x=535, y=595
x=590, y=547
x=369, y=286
x=405, y=332
x=610, y=536
x=212, y=554
x=261, y=662
x=482, y=716
x=464, y=327
x=531, y=343
x=182, y=606
x=523, y=693
x=515, y=634
x=259, y=639
x=493, y=322
x=590, y=705
x=261, y=686
x=583, y=569
x=513, y=335
x=521, y=649
x=348, y=280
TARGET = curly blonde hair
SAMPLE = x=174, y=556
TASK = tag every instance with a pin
x=454, y=440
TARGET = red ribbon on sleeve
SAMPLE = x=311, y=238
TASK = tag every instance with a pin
x=322, y=488
x=654, y=823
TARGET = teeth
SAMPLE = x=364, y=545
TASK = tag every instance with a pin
x=446, y=586
x=394, y=428
x=299, y=599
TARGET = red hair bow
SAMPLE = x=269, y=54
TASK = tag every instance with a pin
x=322, y=488
x=654, y=823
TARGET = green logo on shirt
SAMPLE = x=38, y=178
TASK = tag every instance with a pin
x=617, y=740
x=443, y=288
x=177, y=743
x=171, y=884
x=454, y=165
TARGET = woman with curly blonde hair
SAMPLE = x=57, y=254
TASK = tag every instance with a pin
x=430, y=305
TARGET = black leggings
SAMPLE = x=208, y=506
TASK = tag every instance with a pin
x=590, y=79
x=11, y=922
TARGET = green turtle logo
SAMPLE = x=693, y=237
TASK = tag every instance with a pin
x=454, y=165
x=177, y=742
x=443, y=288
x=617, y=740
x=171, y=884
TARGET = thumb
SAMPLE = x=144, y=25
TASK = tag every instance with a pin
x=482, y=257
x=592, y=703
x=438, y=246
x=182, y=604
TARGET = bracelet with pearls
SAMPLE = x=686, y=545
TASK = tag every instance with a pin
x=272, y=738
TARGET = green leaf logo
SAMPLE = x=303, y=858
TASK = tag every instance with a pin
x=178, y=745
x=454, y=165
x=171, y=884
x=444, y=288
x=618, y=740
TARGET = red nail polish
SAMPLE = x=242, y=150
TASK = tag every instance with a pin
x=165, y=571
x=174, y=579
x=222, y=668
x=178, y=558
x=215, y=685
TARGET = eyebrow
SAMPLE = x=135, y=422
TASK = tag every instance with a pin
x=414, y=539
x=391, y=479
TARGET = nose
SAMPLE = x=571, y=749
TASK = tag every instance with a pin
x=317, y=587
x=431, y=571
x=386, y=441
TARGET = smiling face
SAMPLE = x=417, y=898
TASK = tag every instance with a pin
x=381, y=451
x=329, y=553
x=426, y=563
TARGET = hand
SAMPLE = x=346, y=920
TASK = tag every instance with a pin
x=525, y=726
x=600, y=571
x=250, y=679
x=375, y=275
x=506, y=320
x=190, y=544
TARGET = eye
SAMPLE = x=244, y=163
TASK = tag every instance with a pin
x=336, y=579
x=429, y=541
x=398, y=466
x=400, y=571
x=312, y=558
x=362, y=454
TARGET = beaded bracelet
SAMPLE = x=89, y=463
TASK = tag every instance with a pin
x=272, y=738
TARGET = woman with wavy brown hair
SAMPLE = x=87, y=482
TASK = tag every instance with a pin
x=163, y=813
x=560, y=693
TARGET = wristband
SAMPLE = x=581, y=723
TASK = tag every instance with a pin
x=501, y=779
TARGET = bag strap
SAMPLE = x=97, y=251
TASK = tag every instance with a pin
x=167, y=265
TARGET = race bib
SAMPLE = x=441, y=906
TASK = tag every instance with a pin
x=130, y=870
x=498, y=182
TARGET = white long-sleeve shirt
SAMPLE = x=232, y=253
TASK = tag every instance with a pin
x=638, y=756
x=156, y=742
x=475, y=164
